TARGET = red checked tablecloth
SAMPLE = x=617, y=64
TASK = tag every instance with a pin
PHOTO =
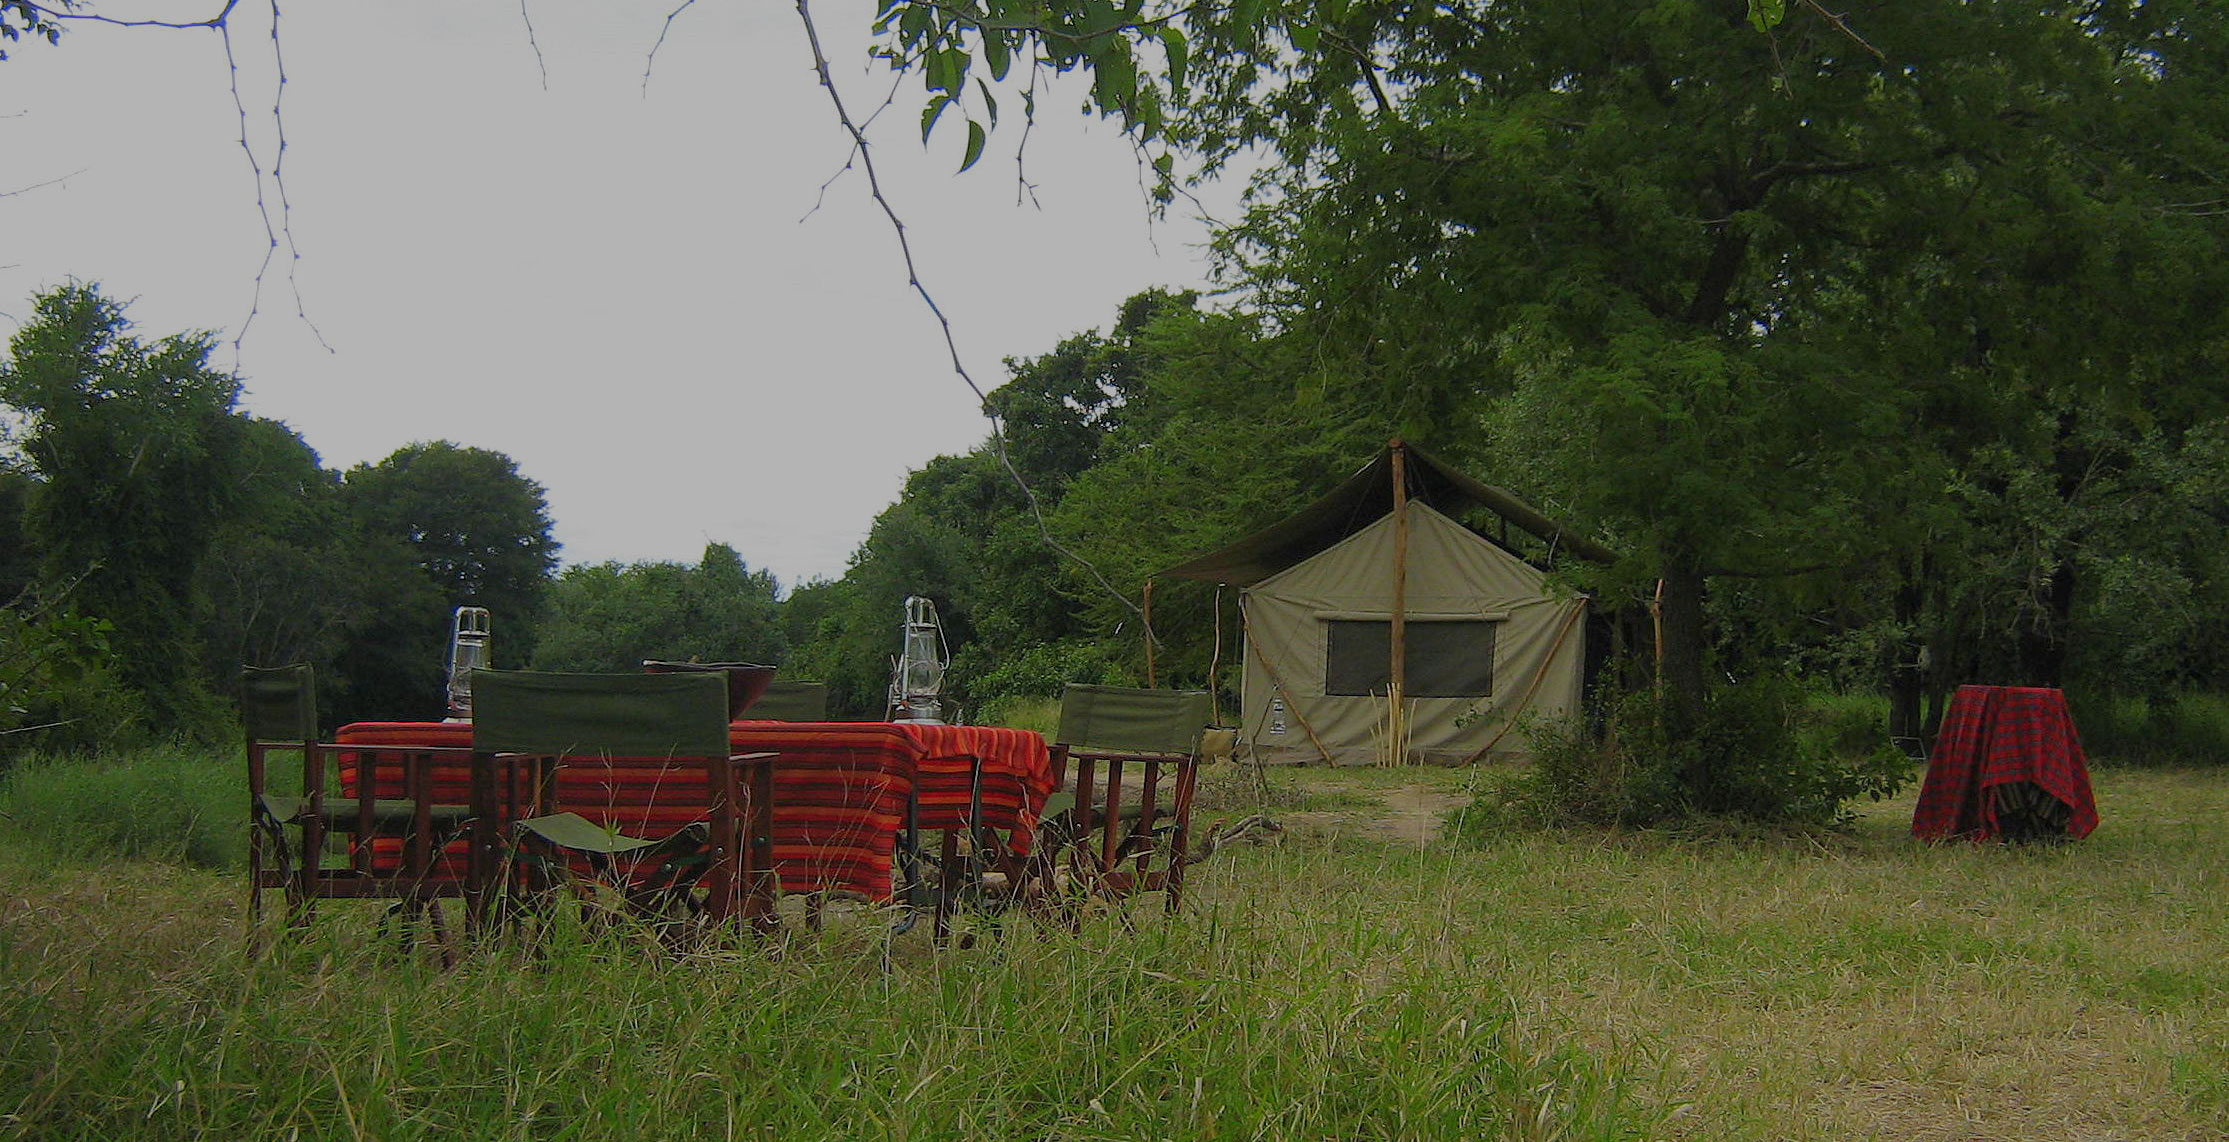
x=841, y=789
x=1995, y=736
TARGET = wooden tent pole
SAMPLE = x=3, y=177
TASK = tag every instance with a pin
x=1148, y=617
x=1397, y=691
x=1215, y=660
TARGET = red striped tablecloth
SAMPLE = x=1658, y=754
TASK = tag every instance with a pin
x=1997, y=735
x=841, y=789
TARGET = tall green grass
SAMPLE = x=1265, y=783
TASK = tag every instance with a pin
x=1526, y=984
x=1226, y=1022
x=2189, y=729
x=178, y=803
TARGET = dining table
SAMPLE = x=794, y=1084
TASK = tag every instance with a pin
x=843, y=793
x=2002, y=752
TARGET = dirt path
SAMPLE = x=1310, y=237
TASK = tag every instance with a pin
x=1410, y=813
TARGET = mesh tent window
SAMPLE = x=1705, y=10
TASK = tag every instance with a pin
x=1445, y=659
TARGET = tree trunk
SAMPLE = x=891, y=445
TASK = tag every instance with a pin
x=1683, y=677
x=1907, y=681
x=2043, y=641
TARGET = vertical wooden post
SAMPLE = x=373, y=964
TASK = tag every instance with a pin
x=1148, y=617
x=1656, y=631
x=1215, y=661
x=1396, y=739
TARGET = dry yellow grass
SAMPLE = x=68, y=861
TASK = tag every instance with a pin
x=1860, y=985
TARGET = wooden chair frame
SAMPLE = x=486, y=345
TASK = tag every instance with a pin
x=287, y=837
x=740, y=878
x=1111, y=851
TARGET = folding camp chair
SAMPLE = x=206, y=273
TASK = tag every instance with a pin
x=787, y=701
x=527, y=726
x=288, y=834
x=1111, y=845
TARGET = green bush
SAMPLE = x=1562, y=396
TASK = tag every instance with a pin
x=1759, y=751
x=1039, y=671
x=1021, y=712
x=181, y=803
x=59, y=690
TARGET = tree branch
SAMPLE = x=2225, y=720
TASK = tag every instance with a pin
x=216, y=21
x=1844, y=28
x=951, y=342
x=651, y=60
x=1369, y=68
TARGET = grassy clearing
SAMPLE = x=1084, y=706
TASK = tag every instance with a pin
x=1521, y=985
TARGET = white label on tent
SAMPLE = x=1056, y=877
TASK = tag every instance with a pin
x=1277, y=716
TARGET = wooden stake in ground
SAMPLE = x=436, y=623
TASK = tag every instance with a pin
x=1397, y=689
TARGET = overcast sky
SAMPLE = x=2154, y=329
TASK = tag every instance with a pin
x=628, y=292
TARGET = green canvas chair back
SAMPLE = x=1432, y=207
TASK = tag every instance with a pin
x=1131, y=720
x=615, y=715
x=279, y=704
x=787, y=701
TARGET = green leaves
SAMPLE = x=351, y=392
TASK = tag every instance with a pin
x=1177, y=52
x=931, y=112
x=1140, y=55
x=975, y=140
x=1765, y=15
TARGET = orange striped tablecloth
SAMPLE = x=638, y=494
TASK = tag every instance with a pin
x=841, y=789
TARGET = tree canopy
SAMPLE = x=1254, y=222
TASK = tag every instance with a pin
x=610, y=617
x=1886, y=345
x=159, y=539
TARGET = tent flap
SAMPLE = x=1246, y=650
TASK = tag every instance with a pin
x=1359, y=501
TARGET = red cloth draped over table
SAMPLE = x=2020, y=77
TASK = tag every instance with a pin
x=840, y=788
x=1998, y=735
x=1017, y=773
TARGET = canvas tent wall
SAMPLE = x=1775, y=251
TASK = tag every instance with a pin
x=1485, y=640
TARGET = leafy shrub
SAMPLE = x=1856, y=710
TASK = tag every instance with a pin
x=1039, y=671
x=176, y=803
x=1021, y=712
x=59, y=689
x=1758, y=752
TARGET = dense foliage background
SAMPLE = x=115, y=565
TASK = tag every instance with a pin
x=1889, y=353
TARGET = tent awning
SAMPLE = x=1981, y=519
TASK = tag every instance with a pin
x=1362, y=499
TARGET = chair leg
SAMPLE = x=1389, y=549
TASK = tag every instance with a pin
x=1180, y=848
x=764, y=883
x=907, y=889
x=721, y=879
x=1141, y=836
x=1110, y=820
x=948, y=885
x=481, y=869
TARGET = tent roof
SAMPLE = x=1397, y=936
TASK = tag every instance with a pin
x=1362, y=499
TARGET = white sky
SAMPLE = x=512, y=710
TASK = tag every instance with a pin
x=621, y=291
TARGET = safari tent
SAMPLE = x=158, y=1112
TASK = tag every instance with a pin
x=1382, y=564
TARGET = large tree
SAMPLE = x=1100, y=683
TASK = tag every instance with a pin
x=611, y=617
x=136, y=453
x=477, y=533
x=1719, y=289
